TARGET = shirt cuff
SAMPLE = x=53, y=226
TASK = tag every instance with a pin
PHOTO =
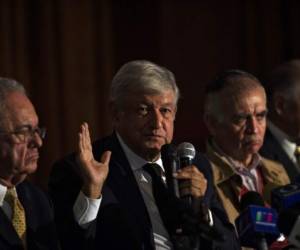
x=85, y=209
x=211, y=220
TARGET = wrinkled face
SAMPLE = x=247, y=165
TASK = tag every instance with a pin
x=146, y=122
x=240, y=133
x=18, y=147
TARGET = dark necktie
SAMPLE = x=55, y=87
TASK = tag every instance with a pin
x=155, y=189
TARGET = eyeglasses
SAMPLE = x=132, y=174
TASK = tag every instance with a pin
x=26, y=133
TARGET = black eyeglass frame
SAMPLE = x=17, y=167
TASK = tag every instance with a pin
x=24, y=134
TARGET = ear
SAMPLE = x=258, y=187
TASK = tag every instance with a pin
x=210, y=123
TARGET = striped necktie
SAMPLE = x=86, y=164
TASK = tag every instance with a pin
x=18, y=214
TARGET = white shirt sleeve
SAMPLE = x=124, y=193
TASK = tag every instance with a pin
x=211, y=220
x=85, y=210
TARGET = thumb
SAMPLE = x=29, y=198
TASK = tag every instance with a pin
x=105, y=158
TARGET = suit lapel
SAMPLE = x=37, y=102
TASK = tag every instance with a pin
x=125, y=187
x=31, y=218
x=122, y=189
x=279, y=154
x=28, y=204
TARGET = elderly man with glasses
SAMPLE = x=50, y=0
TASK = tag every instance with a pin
x=26, y=218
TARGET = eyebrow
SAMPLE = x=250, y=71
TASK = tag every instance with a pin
x=245, y=115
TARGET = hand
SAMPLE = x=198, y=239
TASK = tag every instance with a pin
x=194, y=183
x=93, y=173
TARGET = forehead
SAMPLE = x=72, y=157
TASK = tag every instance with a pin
x=165, y=98
x=249, y=101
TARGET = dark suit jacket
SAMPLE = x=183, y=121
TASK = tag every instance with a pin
x=123, y=221
x=41, y=233
x=271, y=149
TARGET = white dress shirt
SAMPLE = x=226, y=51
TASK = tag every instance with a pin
x=3, y=204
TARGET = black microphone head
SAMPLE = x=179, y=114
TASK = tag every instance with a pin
x=251, y=198
x=186, y=150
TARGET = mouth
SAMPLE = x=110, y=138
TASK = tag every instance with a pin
x=154, y=136
x=253, y=143
x=32, y=158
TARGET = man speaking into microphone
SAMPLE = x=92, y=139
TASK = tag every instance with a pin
x=115, y=189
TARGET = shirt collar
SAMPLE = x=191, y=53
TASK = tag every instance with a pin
x=238, y=167
x=284, y=140
x=3, y=190
x=135, y=161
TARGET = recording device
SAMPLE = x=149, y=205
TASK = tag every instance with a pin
x=289, y=225
x=286, y=196
x=169, y=159
x=286, y=200
x=256, y=225
x=185, y=154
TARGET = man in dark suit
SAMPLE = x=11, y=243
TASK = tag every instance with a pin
x=282, y=137
x=26, y=218
x=114, y=203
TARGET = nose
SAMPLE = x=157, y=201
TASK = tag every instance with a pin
x=36, y=140
x=252, y=125
x=157, y=119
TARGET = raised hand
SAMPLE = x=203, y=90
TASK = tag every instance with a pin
x=93, y=173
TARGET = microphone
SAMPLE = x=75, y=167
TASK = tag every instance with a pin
x=256, y=225
x=185, y=154
x=286, y=196
x=289, y=225
x=168, y=157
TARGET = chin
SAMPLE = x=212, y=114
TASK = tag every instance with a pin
x=154, y=146
x=30, y=168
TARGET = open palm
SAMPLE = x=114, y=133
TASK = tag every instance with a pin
x=93, y=172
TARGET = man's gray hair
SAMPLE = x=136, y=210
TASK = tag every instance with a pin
x=141, y=76
x=7, y=86
x=233, y=80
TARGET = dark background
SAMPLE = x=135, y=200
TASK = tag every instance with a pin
x=66, y=51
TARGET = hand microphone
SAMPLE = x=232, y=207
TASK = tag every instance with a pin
x=185, y=154
x=289, y=225
x=286, y=196
x=256, y=225
x=168, y=157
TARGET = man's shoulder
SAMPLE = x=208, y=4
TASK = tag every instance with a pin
x=275, y=170
x=271, y=164
x=32, y=194
x=202, y=163
x=270, y=145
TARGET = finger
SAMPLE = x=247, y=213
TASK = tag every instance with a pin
x=84, y=135
x=80, y=145
x=105, y=158
x=190, y=172
x=88, y=134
